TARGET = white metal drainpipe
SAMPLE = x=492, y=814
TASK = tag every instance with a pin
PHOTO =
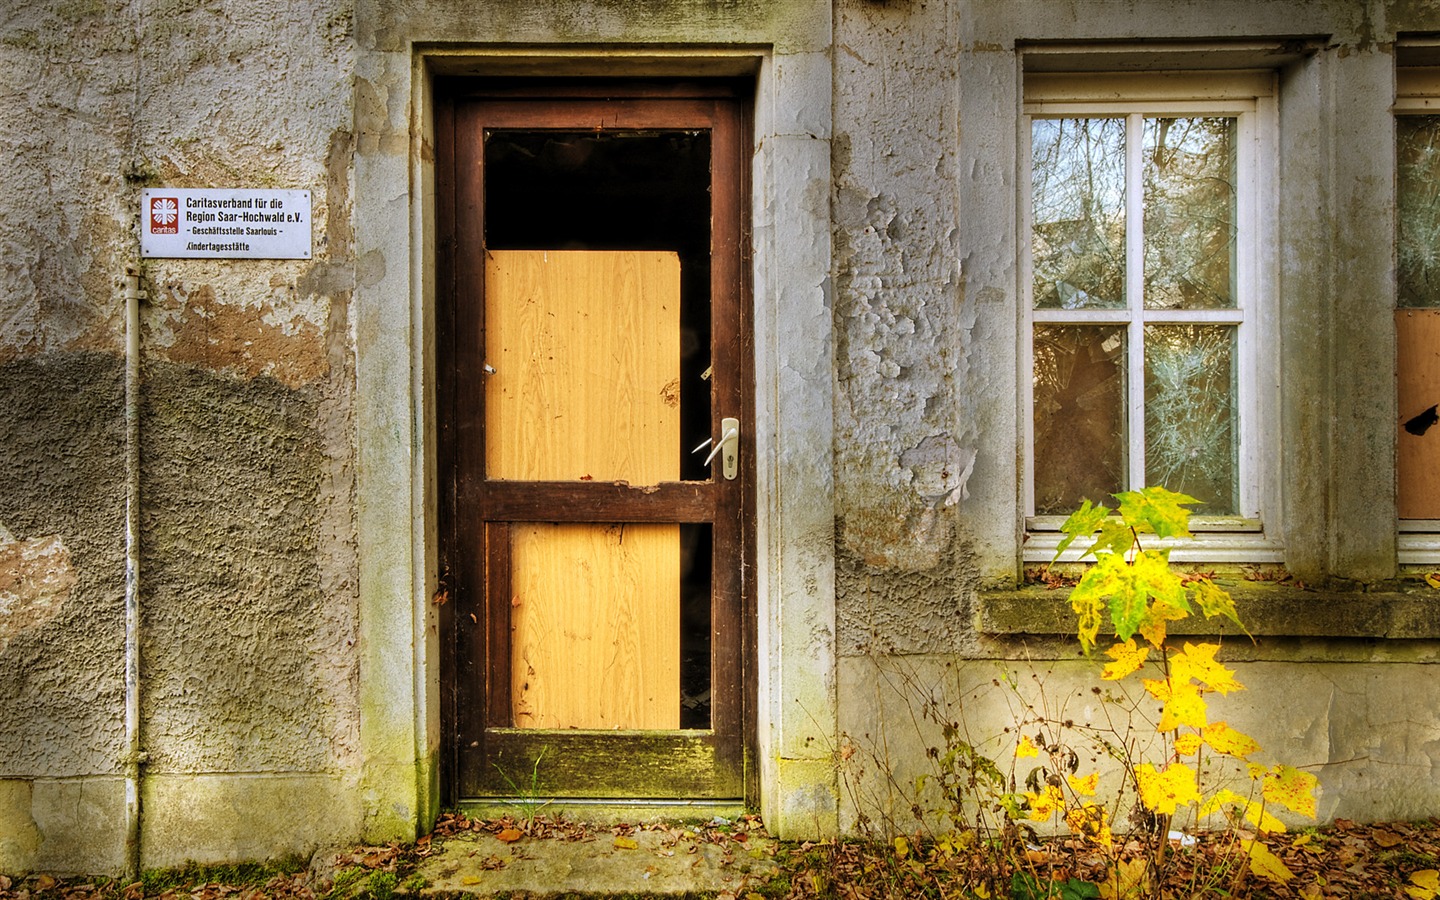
x=134, y=756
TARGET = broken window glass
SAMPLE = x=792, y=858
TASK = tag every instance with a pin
x=1078, y=190
x=1190, y=229
x=1417, y=322
x=1176, y=231
x=1190, y=413
x=1417, y=252
x=1079, y=415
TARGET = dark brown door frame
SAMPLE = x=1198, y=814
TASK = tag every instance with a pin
x=717, y=763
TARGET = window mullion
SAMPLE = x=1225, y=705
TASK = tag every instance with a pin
x=1135, y=298
x=1247, y=381
x=1025, y=240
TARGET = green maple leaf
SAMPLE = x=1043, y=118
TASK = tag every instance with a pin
x=1141, y=593
x=1214, y=601
x=1089, y=598
x=1149, y=577
x=1157, y=510
x=1152, y=570
x=1082, y=523
x=1126, y=590
x=1114, y=535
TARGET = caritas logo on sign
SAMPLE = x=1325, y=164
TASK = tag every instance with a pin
x=164, y=215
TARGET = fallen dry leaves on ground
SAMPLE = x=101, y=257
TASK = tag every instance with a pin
x=1345, y=861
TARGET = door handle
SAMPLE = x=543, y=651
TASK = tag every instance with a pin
x=728, y=448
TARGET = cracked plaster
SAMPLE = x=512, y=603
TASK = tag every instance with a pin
x=251, y=423
x=900, y=462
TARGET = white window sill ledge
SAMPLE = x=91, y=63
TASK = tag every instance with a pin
x=1204, y=547
x=1417, y=549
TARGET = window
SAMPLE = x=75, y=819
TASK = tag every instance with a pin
x=1142, y=282
x=1417, y=314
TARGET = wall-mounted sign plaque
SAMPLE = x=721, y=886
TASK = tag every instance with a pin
x=222, y=223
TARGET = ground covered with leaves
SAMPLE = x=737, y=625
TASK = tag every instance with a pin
x=1346, y=861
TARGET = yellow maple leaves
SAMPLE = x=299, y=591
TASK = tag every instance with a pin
x=1193, y=673
x=1045, y=804
x=1290, y=788
x=1190, y=674
x=1220, y=737
x=1189, y=743
x=1197, y=662
x=1264, y=863
x=1086, y=819
x=1254, y=812
x=1165, y=791
x=1128, y=657
x=1090, y=821
x=1183, y=704
x=1126, y=880
x=1224, y=739
x=1136, y=590
x=1424, y=884
x=1084, y=787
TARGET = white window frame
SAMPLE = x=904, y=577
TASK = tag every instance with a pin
x=1417, y=93
x=1249, y=96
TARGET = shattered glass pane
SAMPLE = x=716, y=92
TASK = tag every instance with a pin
x=1078, y=201
x=1417, y=238
x=1189, y=176
x=1080, y=433
x=1190, y=422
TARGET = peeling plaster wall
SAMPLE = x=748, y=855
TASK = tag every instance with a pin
x=900, y=463
x=289, y=669
x=929, y=431
x=67, y=75
x=903, y=456
x=248, y=563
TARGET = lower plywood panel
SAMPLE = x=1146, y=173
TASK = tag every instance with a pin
x=596, y=619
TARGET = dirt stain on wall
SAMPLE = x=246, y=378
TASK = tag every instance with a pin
x=245, y=340
x=36, y=579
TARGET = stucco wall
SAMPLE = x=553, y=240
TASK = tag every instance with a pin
x=290, y=652
x=929, y=429
x=248, y=560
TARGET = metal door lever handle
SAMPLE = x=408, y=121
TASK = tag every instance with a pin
x=724, y=438
x=727, y=448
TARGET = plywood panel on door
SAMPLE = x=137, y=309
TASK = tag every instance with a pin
x=586, y=348
x=596, y=617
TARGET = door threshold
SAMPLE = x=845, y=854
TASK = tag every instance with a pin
x=604, y=811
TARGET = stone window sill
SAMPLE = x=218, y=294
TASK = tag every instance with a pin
x=1268, y=610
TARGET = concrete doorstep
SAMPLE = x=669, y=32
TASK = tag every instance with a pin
x=648, y=860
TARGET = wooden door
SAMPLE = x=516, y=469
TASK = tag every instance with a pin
x=593, y=332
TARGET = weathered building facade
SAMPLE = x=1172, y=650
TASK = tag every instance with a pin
x=313, y=644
